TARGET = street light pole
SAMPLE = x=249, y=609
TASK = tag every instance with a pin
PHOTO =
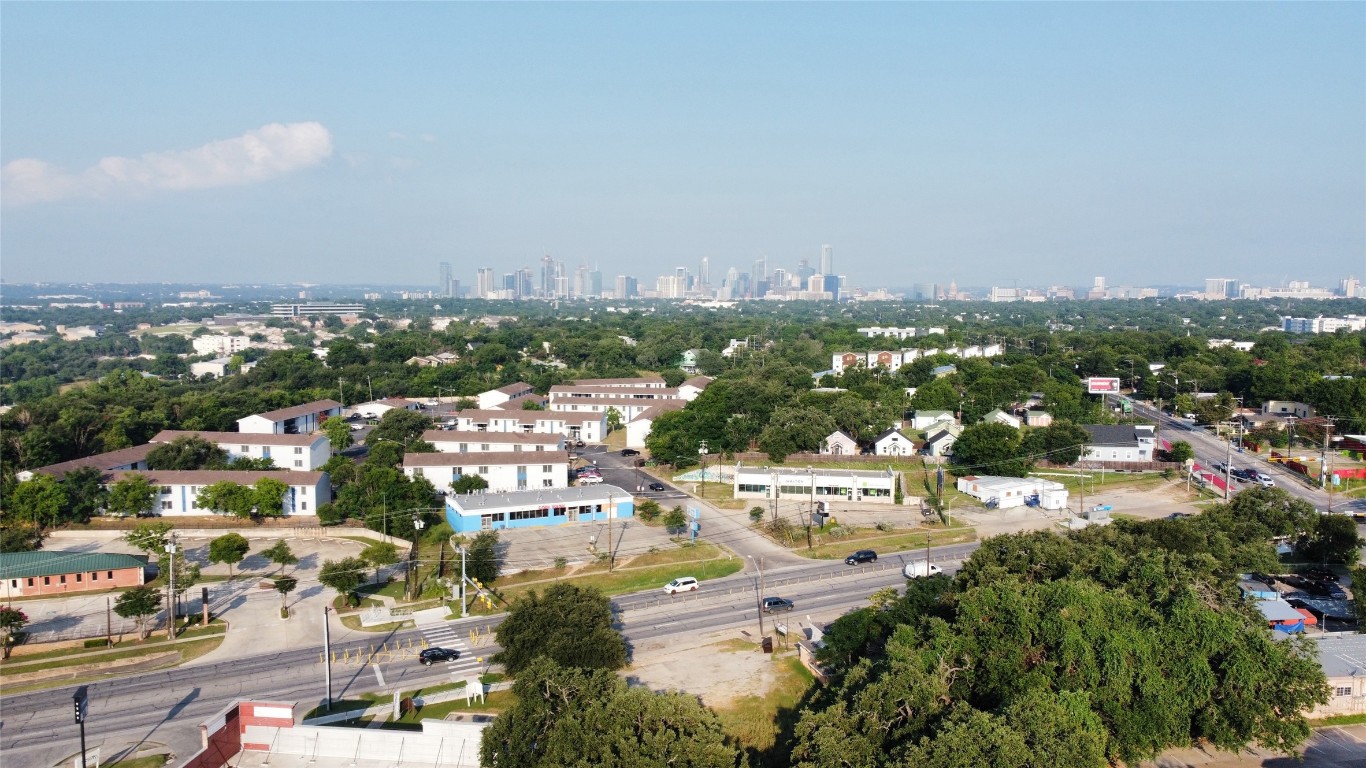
x=702, y=456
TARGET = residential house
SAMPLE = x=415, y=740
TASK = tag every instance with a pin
x=688, y=361
x=638, y=429
x=503, y=470
x=893, y=443
x=998, y=416
x=304, y=453
x=1036, y=418
x=839, y=443
x=690, y=389
x=1119, y=443
x=921, y=420
x=431, y=361
x=483, y=511
x=216, y=368
x=296, y=420
x=1288, y=408
x=939, y=442
x=179, y=489
x=26, y=574
x=496, y=397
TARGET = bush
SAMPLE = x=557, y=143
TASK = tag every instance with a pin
x=648, y=511
x=331, y=514
x=885, y=527
x=98, y=642
x=561, y=563
x=756, y=514
x=781, y=529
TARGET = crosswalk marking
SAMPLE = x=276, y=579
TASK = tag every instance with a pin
x=443, y=635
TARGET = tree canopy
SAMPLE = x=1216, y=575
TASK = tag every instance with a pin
x=567, y=624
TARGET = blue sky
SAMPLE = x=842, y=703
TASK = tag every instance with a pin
x=1028, y=143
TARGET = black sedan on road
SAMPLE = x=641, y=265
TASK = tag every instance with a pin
x=430, y=656
x=657, y=486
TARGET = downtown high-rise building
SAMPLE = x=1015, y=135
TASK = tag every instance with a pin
x=484, y=285
x=704, y=272
x=626, y=287
x=446, y=282
x=827, y=265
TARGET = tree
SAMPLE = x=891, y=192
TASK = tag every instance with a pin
x=228, y=498
x=1181, y=451
x=268, y=497
x=85, y=493
x=1333, y=540
x=400, y=425
x=338, y=432
x=569, y=625
x=229, y=548
x=378, y=554
x=151, y=538
x=675, y=520
x=469, y=484
x=284, y=585
x=989, y=449
x=12, y=620
x=132, y=494
x=481, y=558
x=344, y=576
x=39, y=501
x=1061, y=442
x=139, y=604
x=20, y=537
x=187, y=452
x=613, y=420
x=280, y=554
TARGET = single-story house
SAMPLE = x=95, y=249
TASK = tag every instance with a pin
x=1014, y=491
x=921, y=420
x=179, y=489
x=939, y=442
x=1037, y=418
x=296, y=420
x=893, y=443
x=1283, y=617
x=1119, y=443
x=305, y=452
x=839, y=443
x=503, y=470
x=690, y=389
x=998, y=416
x=483, y=511
x=25, y=574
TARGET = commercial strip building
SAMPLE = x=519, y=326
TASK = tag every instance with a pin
x=816, y=484
x=25, y=574
x=474, y=512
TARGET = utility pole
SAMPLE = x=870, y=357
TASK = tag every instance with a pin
x=341, y=393
x=109, y=622
x=327, y=658
x=611, y=553
x=1323, y=462
x=759, y=595
x=1228, y=469
x=170, y=589
x=463, y=610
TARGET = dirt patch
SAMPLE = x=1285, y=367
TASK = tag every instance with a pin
x=734, y=668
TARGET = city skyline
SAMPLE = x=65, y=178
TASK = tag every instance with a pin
x=990, y=144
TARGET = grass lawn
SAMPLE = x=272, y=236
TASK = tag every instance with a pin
x=185, y=651
x=894, y=541
x=755, y=721
x=629, y=579
x=1329, y=722
x=147, y=761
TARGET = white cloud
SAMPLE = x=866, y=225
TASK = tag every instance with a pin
x=269, y=151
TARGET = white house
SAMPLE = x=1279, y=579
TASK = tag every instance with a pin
x=1288, y=408
x=815, y=484
x=940, y=442
x=296, y=420
x=216, y=368
x=1119, y=443
x=839, y=443
x=1037, y=418
x=922, y=420
x=304, y=453
x=496, y=397
x=690, y=389
x=1013, y=491
x=503, y=470
x=376, y=409
x=179, y=489
x=998, y=416
x=893, y=443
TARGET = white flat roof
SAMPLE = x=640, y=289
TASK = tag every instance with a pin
x=495, y=502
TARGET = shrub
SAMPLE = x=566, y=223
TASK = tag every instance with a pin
x=561, y=563
x=756, y=514
x=885, y=527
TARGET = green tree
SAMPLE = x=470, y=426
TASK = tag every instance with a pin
x=18, y=536
x=187, y=452
x=1061, y=442
x=280, y=554
x=284, y=585
x=568, y=624
x=481, y=558
x=85, y=493
x=401, y=426
x=989, y=449
x=12, y=621
x=675, y=520
x=132, y=494
x=139, y=604
x=343, y=576
x=39, y=501
x=151, y=538
x=1181, y=451
x=338, y=432
x=378, y=554
x=1334, y=539
x=268, y=497
x=227, y=497
x=229, y=548
x=469, y=484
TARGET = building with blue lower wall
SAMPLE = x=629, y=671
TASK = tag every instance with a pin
x=474, y=512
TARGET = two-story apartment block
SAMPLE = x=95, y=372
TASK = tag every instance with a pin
x=493, y=442
x=179, y=489
x=587, y=426
x=1119, y=443
x=131, y=458
x=502, y=470
x=296, y=420
x=628, y=402
x=304, y=453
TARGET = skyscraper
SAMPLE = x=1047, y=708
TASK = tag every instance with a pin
x=704, y=272
x=827, y=260
x=444, y=287
x=547, y=287
x=484, y=286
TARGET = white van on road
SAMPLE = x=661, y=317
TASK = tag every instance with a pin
x=918, y=568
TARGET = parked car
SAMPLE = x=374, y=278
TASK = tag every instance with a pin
x=629, y=452
x=681, y=584
x=861, y=556
x=590, y=480
x=579, y=444
x=1265, y=481
x=1322, y=574
x=657, y=486
x=777, y=604
x=357, y=427
x=430, y=656
x=917, y=568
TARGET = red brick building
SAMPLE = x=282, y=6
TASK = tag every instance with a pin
x=23, y=574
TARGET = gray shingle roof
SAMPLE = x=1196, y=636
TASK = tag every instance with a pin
x=1112, y=434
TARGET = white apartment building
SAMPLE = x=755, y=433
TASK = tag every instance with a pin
x=1323, y=324
x=220, y=345
x=586, y=426
x=894, y=359
x=296, y=420
x=504, y=471
x=304, y=453
x=496, y=397
x=178, y=494
x=448, y=441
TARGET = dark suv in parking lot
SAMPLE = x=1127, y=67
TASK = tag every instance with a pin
x=861, y=556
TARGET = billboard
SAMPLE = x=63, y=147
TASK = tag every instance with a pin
x=1100, y=386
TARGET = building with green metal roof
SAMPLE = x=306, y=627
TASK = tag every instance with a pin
x=56, y=573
